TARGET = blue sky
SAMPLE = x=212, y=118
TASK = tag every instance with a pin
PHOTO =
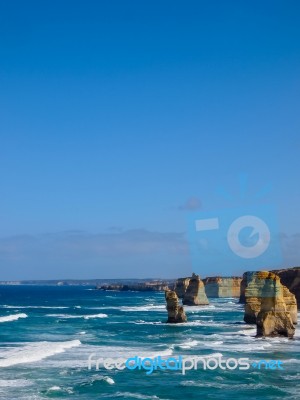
x=118, y=118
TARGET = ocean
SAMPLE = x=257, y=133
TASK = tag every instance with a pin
x=47, y=334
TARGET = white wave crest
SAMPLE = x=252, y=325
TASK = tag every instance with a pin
x=13, y=317
x=105, y=378
x=149, y=307
x=37, y=351
x=188, y=344
x=95, y=316
x=67, y=316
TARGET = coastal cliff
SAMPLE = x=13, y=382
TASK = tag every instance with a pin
x=270, y=305
x=195, y=293
x=176, y=312
x=222, y=287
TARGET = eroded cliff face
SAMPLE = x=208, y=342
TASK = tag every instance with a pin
x=195, y=293
x=222, y=287
x=247, y=276
x=253, y=293
x=181, y=286
x=263, y=289
x=291, y=303
x=176, y=312
x=270, y=305
x=290, y=278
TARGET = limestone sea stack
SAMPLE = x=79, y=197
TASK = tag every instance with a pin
x=181, y=286
x=252, y=291
x=270, y=305
x=290, y=278
x=222, y=286
x=274, y=323
x=274, y=319
x=176, y=312
x=263, y=287
x=247, y=277
x=253, y=294
x=195, y=294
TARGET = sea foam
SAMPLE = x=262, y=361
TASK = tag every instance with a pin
x=13, y=317
x=37, y=351
x=67, y=316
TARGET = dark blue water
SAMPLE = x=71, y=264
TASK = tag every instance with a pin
x=48, y=333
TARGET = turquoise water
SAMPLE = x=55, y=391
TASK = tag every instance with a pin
x=48, y=333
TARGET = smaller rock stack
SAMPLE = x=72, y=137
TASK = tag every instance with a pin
x=176, y=312
x=181, y=286
x=195, y=294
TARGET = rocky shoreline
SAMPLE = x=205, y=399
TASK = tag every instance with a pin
x=138, y=287
x=270, y=298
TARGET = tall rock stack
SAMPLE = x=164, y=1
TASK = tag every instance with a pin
x=195, y=294
x=176, y=312
x=181, y=286
x=290, y=278
x=274, y=319
x=270, y=305
x=253, y=294
x=222, y=287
